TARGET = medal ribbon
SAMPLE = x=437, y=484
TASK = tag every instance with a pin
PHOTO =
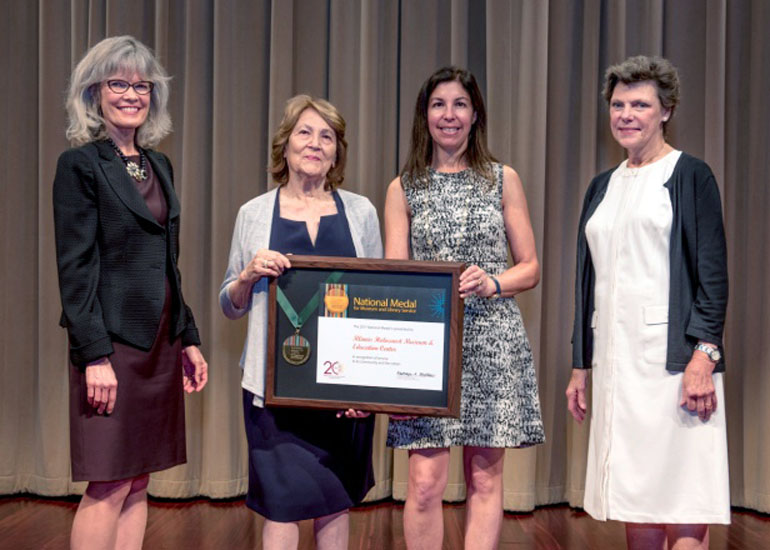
x=297, y=320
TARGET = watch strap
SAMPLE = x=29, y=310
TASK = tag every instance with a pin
x=709, y=349
x=498, y=290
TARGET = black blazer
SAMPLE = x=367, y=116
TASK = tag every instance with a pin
x=113, y=256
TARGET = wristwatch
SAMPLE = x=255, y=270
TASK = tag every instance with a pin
x=710, y=350
x=498, y=290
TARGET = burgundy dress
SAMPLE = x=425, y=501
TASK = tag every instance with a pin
x=145, y=432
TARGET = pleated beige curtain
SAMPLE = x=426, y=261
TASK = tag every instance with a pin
x=235, y=63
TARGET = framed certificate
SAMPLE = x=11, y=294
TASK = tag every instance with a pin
x=368, y=334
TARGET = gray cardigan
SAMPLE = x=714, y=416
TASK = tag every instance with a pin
x=698, y=266
x=252, y=232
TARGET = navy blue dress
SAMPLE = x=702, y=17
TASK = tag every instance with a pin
x=307, y=463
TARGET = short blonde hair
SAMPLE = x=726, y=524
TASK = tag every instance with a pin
x=108, y=57
x=294, y=109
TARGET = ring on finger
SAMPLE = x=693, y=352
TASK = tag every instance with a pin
x=265, y=263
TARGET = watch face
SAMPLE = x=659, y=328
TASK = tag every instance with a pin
x=713, y=353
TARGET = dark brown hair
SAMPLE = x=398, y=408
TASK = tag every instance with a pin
x=421, y=147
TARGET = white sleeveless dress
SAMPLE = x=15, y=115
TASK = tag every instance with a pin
x=649, y=460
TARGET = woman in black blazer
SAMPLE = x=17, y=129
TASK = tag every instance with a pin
x=117, y=239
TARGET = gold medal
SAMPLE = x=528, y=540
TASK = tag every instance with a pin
x=296, y=349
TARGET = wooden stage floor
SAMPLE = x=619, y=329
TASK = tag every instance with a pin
x=34, y=523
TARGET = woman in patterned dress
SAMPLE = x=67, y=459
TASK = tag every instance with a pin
x=453, y=202
x=650, y=301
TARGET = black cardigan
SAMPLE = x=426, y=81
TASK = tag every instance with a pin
x=113, y=256
x=698, y=266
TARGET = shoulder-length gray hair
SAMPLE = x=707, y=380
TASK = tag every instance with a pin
x=107, y=58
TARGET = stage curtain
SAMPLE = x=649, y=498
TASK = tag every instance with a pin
x=234, y=64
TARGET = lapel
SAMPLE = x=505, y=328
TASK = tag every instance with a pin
x=121, y=183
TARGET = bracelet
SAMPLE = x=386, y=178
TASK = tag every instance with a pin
x=498, y=290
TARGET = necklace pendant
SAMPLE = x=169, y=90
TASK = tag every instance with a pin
x=139, y=174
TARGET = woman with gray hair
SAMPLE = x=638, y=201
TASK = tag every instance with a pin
x=650, y=301
x=133, y=343
x=302, y=464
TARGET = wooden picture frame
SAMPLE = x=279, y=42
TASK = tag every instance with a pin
x=399, y=316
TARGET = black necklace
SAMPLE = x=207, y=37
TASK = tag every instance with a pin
x=139, y=173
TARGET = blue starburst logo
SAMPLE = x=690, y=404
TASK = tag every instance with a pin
x=438, y=305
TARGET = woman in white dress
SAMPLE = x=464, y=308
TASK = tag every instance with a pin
x=650, y=301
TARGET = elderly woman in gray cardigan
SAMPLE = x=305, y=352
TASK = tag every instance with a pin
x=302, y=464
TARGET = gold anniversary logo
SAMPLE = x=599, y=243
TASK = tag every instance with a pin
x=336, y=299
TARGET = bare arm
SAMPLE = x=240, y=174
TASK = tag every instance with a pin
x=525, y=272
x=397, y=220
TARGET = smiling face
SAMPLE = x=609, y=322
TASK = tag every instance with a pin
x=312, y=147
x=450, y=116
x=636, y=117
x=123, y=113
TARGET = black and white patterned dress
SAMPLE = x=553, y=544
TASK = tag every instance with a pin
x=458, y=217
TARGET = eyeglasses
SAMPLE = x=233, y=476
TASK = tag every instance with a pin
x=143, y=87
